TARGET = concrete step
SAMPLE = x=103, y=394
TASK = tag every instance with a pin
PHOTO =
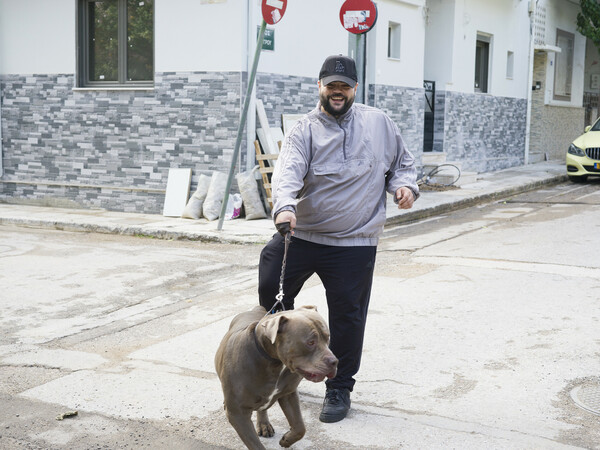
x=467, y=178
x=433, y=158
x=447, y=174
x=536, y=157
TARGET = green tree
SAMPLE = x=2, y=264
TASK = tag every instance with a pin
x=588, y=21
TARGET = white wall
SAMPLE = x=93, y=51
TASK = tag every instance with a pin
x=439, y=29
x=562, y=14
x=311, y=30
x=408, y=70
x=195, y=35
x=37, y=36
x=457, y=23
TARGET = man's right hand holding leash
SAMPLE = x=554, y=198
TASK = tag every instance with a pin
x=286, y=216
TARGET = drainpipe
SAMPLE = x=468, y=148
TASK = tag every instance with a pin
x=1, y=166
x=251, y=118
x=531, y=11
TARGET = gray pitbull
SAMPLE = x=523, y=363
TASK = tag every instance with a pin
x=262, y=359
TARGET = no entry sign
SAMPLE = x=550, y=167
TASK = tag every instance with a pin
x=273, y=10
x=358, y=16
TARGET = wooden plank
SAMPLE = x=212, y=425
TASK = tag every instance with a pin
x=268, y=144
x=288, y=121
x=263, y=157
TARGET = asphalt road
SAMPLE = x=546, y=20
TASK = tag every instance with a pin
x=482, y=323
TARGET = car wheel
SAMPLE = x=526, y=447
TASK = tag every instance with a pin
x=578, y=179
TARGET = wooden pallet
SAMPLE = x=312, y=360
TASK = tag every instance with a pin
x=266, y=163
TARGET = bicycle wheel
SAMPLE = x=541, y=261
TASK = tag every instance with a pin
x=443, y=175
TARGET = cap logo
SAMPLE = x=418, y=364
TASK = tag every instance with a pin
x=339, y=67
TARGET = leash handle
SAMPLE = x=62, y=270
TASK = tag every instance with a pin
x=285, y=230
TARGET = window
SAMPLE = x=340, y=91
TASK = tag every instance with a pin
x=482, y=56
x=510, y=65
x=116, y=43
x=563, y=67
x=393, y=40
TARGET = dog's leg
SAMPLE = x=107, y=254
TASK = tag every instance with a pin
x=290, y=404
x=241, y=420
x=263, y=425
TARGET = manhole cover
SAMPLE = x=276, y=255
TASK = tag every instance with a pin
x=587, y=397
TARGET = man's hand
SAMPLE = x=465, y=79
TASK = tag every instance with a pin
x=405, y=198
x=286, y=216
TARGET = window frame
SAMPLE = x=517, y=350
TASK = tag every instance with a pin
x=394, y=44
x=483, y=48
x=83, y=52
x=571, y=36
x=510, y=65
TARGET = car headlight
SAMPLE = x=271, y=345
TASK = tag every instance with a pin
x=574, y=150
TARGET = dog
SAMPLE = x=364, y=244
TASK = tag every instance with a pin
x=262, y=359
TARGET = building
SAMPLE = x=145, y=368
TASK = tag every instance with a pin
x=557, y=113
x=96, y=107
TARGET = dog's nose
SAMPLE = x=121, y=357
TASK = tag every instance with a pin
x=331, y=361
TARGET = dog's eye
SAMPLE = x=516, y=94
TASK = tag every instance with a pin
x=311, y=343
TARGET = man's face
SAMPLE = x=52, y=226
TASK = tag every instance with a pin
x=336, y=97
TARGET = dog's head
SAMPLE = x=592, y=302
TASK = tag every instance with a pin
x=301, y=340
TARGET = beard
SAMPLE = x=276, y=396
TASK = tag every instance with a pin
x=335, y=111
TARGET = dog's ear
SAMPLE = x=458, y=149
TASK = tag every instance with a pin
x=274, y=326
x=313, y=307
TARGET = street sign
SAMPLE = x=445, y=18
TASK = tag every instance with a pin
x=268, y=40
x=358, y=16
x=273, y=10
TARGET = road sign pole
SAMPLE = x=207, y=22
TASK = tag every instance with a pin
x=238, y=142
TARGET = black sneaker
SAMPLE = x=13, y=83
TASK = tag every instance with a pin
x=335, y=405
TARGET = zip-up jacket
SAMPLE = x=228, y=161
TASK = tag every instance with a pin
x=334, y=174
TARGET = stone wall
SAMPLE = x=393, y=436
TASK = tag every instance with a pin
x=553, y=128
x=406, y=107
x=113, y=149
x=284, y=94
x=484, y=132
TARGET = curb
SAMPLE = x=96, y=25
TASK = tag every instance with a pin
x=472, y=201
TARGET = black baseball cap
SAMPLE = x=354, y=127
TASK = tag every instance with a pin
x=338, y=68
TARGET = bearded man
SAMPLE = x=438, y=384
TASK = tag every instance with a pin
x=330, y=182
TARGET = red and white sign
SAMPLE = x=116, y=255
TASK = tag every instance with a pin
x=358, y=16
x=273, y=10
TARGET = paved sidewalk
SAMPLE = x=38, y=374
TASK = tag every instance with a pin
x=488, y=187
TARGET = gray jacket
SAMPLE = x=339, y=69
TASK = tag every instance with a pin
x=334, y=174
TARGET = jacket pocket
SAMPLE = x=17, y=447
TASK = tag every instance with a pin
x=346, y=171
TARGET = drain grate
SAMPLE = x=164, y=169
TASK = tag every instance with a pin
x=587, y=397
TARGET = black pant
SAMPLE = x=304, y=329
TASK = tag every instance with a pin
x=347, y=275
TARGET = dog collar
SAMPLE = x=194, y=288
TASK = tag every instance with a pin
x=260, y=348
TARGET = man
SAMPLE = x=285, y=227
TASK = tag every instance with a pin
x=330, y=184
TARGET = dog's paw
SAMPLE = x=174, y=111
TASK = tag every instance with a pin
x=265, y=429
x=290, y=438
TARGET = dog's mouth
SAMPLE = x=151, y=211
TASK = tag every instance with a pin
x=316, y=377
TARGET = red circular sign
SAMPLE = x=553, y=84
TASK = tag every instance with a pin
x=358, y=16
x=273, y=10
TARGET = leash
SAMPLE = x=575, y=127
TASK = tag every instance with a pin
x=285, y=230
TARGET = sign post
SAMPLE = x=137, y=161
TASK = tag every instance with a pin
x=272, y=12
x=358, y=17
